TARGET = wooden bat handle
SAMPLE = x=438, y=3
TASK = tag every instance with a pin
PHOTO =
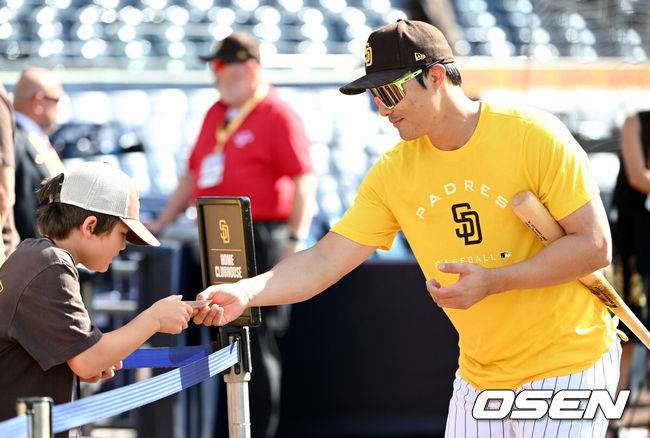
x=538, y=219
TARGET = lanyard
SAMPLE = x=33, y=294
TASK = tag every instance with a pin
x=225, y=132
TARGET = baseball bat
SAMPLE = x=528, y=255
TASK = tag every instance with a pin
x=539, y=220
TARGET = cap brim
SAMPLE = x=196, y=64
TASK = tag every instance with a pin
x=228, y=59
x=373, y=80
x=138, y=234
x=208, y=58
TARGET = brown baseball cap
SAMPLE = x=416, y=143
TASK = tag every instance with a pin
x=399, y=48
x=236, y=47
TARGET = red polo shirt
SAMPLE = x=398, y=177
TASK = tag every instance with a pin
x=268, y=149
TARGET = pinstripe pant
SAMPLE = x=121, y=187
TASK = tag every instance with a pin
x=603, y=374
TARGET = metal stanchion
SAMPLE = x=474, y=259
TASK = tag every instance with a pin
x=228, y=255
x=236, y=379
x=39, y=415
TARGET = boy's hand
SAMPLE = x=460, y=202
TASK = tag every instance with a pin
x=227, y=302
x=172, y=314
x=108, y=373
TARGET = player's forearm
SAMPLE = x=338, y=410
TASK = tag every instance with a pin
x=307, y=273
x=286, y=282
x=580, y=245
x=562, y=261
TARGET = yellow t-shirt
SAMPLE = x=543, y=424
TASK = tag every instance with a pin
x=454, y=206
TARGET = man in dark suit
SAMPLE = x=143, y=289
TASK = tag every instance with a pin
x=36, y=98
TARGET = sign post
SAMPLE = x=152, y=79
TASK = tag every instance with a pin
x=39, y=415
x=228, y=255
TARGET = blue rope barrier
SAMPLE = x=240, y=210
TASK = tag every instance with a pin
x=68, y=416
x=16, y=427
x=166, y=357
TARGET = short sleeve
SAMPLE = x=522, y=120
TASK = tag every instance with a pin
x=558, y=168
x=369, y=221
x=51, y=322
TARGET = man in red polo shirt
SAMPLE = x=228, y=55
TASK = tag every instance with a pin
x=253, y=144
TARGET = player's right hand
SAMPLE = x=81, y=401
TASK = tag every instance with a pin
x=172, y=314
x=227, y=302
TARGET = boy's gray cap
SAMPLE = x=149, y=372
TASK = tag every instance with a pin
x=103, y=188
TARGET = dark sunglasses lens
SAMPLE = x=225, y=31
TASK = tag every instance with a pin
x=388, y=94
x=394, y=92
x=385, y=97
x=377, y=93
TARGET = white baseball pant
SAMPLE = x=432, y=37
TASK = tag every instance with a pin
x=604, y=374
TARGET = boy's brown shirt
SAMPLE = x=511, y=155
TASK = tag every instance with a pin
x=43, y=323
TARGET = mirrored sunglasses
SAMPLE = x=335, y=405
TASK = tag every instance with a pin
x=391, y=94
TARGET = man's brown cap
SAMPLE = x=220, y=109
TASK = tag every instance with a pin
x=399, y=48
x=236, y=47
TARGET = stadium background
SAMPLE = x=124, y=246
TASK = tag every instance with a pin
x=136, y=95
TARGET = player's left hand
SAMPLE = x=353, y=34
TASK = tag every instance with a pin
x=472, y=286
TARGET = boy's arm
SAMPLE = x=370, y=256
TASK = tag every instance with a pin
x=105, y=374
x=169, y=315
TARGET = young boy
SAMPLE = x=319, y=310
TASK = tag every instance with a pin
x=46, y=336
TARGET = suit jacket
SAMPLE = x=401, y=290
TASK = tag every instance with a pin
x=29, y=174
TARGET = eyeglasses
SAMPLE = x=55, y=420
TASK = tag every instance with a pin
x=391, y=94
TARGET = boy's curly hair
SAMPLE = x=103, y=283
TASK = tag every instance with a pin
x=56, y=220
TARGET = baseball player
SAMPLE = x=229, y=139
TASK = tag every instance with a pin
x=523, y=320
